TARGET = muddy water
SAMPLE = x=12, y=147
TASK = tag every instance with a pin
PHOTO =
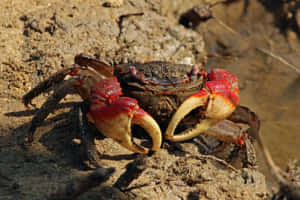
x=268, y=86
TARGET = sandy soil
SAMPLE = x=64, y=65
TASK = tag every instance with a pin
x=40, y=37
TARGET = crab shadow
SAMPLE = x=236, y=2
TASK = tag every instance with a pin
x=59, y=135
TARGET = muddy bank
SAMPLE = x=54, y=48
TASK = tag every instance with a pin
x=39, y=38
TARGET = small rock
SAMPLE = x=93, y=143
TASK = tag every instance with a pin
x=113, y=3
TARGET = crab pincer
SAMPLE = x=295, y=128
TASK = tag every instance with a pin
x=114, y=115
x=219, y=97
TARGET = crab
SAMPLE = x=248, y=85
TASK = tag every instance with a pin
x=183, y=101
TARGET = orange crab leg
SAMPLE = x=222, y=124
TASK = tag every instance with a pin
x=219, y=97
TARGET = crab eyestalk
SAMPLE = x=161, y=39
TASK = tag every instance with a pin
x=114, y=120
x=219, y=97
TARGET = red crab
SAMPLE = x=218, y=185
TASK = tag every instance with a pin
x=169, y=96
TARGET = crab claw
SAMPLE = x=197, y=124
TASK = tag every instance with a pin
x=219, y=98
x=114, y=120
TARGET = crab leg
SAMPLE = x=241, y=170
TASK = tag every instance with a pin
x=80, y=82
x=244, y=115
x=55, y=79
x=77, y=71
x=102, y=68
x=87, y=137
x=219, y=97
x=50, y=105
x=114, y=120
